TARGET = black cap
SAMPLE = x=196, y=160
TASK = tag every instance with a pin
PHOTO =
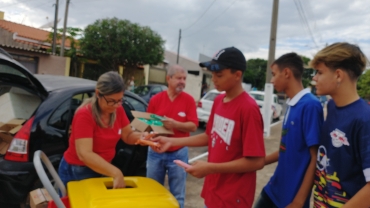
x=226, y=58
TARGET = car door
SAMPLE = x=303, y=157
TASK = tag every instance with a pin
x=207, y=100
x=278, y=107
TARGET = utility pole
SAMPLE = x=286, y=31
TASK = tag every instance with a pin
x=178, y=48
x=55, y=26
x=273, y=30
x=64, y=28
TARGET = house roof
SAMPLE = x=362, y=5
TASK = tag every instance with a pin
x=29, y=34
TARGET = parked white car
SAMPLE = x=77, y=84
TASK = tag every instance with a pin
x=205, y=104
x=277, y=109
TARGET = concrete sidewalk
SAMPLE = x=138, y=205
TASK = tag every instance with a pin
x=194, y=185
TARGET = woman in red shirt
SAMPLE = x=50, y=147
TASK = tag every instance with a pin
x=97, y=126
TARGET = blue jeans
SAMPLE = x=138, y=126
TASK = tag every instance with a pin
x=264, y=201
x=69, y=172
x=158, y=165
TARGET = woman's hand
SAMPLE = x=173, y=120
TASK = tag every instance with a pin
x=118, y=180
x=145, y=140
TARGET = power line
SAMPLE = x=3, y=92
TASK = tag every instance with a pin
x=211, y=21
x=201, y=15
x=304, y=20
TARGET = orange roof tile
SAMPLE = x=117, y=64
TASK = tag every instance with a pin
x=28, y=32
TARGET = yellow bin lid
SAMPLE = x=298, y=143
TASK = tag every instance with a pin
x=140, y=192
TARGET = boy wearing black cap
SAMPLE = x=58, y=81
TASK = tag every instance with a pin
x=234, y=136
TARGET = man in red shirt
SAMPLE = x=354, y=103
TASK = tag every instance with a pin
x=179, y=109
x=234, y=136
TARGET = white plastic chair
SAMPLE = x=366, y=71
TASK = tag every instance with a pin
x=37, y=158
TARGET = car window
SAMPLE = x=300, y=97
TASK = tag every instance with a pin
x=6, y=69
x=142, y=90
x=136, y=104
x=156, y=90
x=211, y=96
x=62, y=116
x=258, y=97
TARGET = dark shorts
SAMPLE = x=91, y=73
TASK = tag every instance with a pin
x=264, y=201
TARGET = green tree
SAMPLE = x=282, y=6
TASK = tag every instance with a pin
x=307, y=72
x=255, y=73
x=363, y=85
x=114, y=42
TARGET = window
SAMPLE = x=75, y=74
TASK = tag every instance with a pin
x=10, y=70
x=142, y=90
x=137, y=105
x=257, y=96
x=156, y=90
x=62, y=116
x=211, y=96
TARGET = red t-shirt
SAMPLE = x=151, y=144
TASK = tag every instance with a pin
x=104, y=139
x=235, y=130
x=182, y=109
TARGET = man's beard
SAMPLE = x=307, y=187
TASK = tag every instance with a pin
x=180, y=88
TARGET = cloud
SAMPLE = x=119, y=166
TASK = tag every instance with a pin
x=244, y=24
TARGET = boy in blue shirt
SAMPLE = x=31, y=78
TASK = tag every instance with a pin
x=291, y=184
x=342, y=176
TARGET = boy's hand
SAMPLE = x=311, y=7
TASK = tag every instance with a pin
x=164, y=144
x=199, y=169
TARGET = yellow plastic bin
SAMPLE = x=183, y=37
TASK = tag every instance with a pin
x=140, y=192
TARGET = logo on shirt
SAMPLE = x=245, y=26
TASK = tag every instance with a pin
x=223, y=127
x=338, y=138
x=119, y=131
x=181, y=114
x=327, y=190
x=322, y=159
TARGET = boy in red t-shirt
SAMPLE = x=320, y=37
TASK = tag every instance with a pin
x=234, y=136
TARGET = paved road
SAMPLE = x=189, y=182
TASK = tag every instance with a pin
x=194, y=185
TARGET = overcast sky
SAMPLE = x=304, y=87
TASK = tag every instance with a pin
x=304, y=26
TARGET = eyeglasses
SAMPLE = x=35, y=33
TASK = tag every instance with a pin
x=112, y=102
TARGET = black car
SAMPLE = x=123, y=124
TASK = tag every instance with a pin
x=148, y=91
x=48, y=104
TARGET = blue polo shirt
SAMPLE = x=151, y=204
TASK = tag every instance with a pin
x=301, y=130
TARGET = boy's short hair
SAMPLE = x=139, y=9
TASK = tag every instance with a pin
x=342, y=55
x=292, y=61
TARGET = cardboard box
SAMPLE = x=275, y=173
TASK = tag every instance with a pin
x=149, y=122
x=3, y=147
x=8, y=129
x=39, y=198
